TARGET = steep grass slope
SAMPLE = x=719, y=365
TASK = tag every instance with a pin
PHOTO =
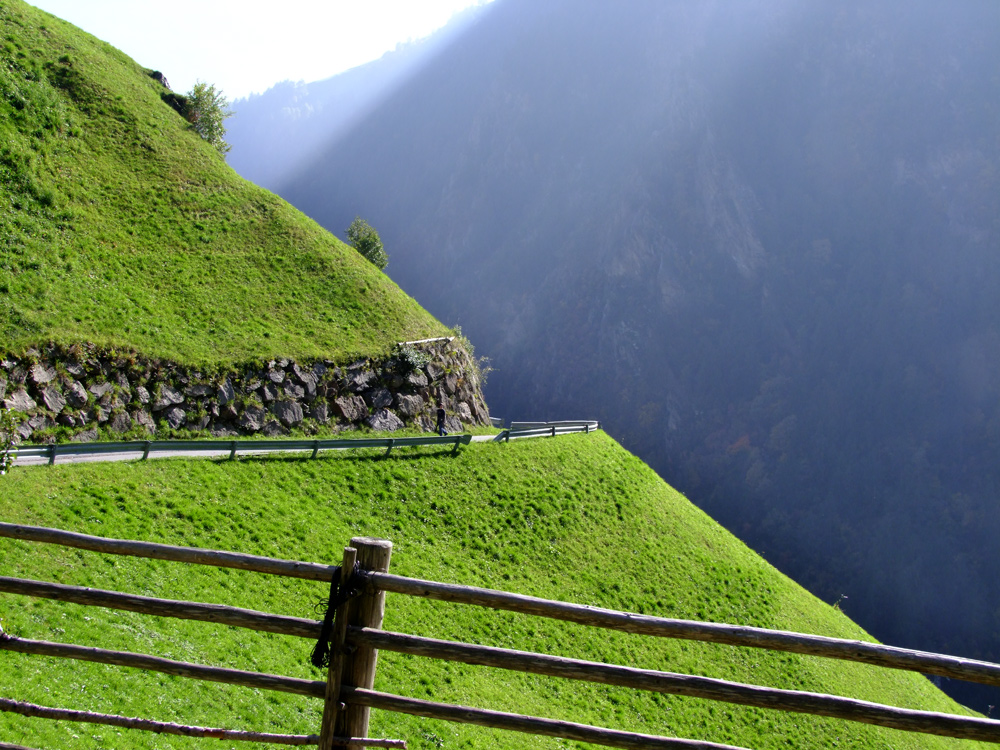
x=120, y=226
x=575, y=518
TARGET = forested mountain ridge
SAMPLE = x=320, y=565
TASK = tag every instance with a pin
x=759, y=240
x=279, y=130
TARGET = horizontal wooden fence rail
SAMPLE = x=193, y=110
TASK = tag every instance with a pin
x=148, y=725
x=348, y=693
x=214, y=613
x=952, y=667
x=152, y=550
x=164, y=727
x=818, y=704
x=147, y=605
x=876, y=654
x=527, y=724
x=259, y=680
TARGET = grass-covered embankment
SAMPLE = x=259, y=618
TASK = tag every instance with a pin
x=121, y=227
x=576, y=518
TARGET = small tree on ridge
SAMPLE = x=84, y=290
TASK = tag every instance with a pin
x=366, y=241
x=207, y=110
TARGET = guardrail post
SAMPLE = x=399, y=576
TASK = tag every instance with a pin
x=52, y=453
x=365, y=612
x=388, y=450
x=553, y=430
x=332, y=707
x=145, y=449
x=232, y=450
x=315, y=448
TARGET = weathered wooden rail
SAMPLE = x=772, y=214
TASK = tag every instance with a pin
x=213, y=613
x=356, y=637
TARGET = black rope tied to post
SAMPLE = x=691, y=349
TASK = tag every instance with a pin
x=338, y=596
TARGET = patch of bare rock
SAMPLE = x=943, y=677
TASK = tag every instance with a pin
x=89, y=391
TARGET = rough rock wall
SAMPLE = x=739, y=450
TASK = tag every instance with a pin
x=88, y=392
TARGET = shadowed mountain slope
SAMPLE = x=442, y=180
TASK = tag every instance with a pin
x=275, y=133
x=759, y=240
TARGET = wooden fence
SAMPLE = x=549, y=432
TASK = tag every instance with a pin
x=354, y=637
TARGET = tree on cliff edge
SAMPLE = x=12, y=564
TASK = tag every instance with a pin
x=366, y=241
x=207, y=110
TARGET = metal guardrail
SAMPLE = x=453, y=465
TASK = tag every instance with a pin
x=234, y=448
x=581, y=425
x=545, y=429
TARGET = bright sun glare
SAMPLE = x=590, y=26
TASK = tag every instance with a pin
x=248, y=46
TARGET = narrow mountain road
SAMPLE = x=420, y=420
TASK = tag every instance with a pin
x=73, y=453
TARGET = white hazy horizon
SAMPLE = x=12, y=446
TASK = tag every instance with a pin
x=248, y=46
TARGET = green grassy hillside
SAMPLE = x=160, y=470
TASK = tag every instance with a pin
x=576, y=518
x=120, y=226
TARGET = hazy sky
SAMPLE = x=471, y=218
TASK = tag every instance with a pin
x=248, y=46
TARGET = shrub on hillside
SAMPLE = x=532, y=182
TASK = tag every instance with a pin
x=366, y=241
x=409, y=359
x=7, y=434
x=207, y=110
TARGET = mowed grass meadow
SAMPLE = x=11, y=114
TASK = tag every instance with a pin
x=574, y=518
x=122, y=227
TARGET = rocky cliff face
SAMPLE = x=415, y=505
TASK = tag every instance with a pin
x=88, y=393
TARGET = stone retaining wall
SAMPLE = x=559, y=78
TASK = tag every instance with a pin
x=89, y=392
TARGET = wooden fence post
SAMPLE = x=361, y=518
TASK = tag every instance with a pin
x=365, y=612
x=335, y=675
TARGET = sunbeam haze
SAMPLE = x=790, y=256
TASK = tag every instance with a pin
x=247, y=47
